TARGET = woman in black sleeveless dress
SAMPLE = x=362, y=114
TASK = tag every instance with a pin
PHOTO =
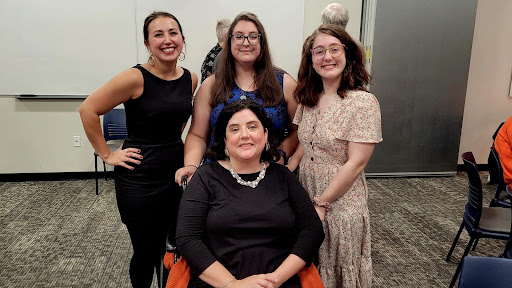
x=157, y=96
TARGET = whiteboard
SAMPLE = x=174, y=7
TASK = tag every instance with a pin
x=64, y=47
x=72, y=47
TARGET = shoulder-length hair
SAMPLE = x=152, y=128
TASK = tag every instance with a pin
x=216, y=151
x=268, y=88
x=353, y=77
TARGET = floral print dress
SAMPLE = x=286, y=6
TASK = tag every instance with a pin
x=344, y=257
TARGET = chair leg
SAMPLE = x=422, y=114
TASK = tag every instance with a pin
x=457, y=271
x=105, y=170
x=96, y=171
x=160, y=278
x=474, y=245
x=455, y=241
x=163, y=275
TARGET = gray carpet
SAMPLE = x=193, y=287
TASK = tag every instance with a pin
x=60, y=234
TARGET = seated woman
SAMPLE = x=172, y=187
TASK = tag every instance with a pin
x=244, y=220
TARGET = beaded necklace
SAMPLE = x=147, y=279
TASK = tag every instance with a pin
x=241, y=181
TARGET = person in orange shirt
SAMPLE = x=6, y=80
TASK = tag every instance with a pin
x=503, y=145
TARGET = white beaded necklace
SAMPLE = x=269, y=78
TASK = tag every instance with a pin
x=241, y=181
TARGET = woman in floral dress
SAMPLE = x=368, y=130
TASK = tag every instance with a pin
x=339, y=125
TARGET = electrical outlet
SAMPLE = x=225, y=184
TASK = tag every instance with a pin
x=76, y=141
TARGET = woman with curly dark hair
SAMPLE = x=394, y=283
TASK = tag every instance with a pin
x=245, y=221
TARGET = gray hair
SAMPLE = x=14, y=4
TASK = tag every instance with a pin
x=222, y=27
x=335, y=14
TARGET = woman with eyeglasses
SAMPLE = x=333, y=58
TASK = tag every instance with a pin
x=339, y=124
x=245, y=72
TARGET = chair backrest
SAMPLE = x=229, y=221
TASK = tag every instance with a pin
x=499, y=171
x=485, y=272
x=114, y=125
x=474, y=205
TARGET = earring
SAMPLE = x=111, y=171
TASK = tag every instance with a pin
x=226, y=151
x=151, y=59
x=182, y=56
x=267, y=146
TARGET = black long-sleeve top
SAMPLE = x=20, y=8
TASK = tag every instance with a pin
x=249, y=231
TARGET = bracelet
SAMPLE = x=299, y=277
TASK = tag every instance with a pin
x=232, y=279
x=326, y=205
x=192, y=166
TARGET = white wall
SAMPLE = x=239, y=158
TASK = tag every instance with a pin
x=198, y=19
x=487, y=102
x=36, y=136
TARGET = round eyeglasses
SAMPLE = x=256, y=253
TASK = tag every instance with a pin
x=318, y=53
x=239, y=39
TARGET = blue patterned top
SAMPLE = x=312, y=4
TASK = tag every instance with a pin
x=278, y=114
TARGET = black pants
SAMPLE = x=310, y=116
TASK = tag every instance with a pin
x=148, y=219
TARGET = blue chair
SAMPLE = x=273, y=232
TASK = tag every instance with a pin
x=486, y=272
x=114, y=128
x=480, y=222
x=501, y=197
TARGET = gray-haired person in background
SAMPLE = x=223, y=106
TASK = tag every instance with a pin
x=338, y=15
x=335, y=14
x=209, y=62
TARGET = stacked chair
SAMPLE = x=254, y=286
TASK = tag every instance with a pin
x=486, y=272
x=479, y=221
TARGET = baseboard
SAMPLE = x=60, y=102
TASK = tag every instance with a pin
x=59, y=176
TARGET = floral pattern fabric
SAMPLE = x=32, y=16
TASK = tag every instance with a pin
x=345, y=255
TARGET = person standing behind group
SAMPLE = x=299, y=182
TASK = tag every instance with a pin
x=157, y=97
x=210, y=62
x=245, y=72
x=338, y=15
x=339, y=125
x=335, y=14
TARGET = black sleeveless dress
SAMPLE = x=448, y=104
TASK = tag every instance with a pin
x=147, y=196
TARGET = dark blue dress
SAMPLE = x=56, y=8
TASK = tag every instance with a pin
x=278, y=114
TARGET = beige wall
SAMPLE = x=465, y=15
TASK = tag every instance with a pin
x=37, y=136
x=487, y=101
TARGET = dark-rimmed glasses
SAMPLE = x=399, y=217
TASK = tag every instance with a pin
x=318, y=53
x=239, y=39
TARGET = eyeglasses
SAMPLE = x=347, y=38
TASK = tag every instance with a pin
x=335, y=51
x=239, y=39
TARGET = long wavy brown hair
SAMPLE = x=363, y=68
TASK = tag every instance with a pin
x=353, y=77
x=268, y=87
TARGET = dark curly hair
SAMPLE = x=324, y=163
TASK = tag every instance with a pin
x=216, y=151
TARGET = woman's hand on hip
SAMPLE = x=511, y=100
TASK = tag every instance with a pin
x=121, y=157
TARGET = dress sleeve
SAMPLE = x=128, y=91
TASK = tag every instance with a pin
x=191, y=227
x=298, y=115
x=310, y=233
x=362, y=121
